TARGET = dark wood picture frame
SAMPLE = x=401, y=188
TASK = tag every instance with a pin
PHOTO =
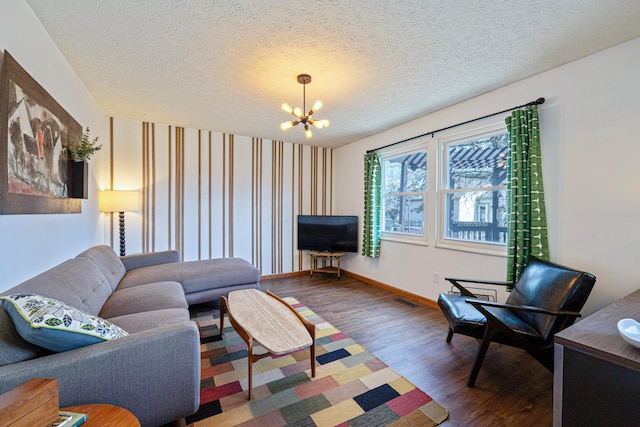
x=34, y=177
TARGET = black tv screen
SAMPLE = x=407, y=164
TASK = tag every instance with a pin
x=331, y=233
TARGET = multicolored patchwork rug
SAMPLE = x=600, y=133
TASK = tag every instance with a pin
x=351, y=387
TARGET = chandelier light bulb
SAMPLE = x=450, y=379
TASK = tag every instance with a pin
x=307, y=131
x=325, y=123
x=287, y=108
x=297, y=112
x=316, y=106
x=286, y=125
x=317, y=123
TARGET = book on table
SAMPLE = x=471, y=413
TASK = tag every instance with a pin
x=70, y=419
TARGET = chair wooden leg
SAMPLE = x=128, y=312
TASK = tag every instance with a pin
x=450, y=335
x=482, y=351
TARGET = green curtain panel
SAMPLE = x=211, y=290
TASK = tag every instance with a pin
x=525, y=193
x=372, y=196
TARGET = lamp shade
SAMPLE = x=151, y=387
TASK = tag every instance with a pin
x=119, y=201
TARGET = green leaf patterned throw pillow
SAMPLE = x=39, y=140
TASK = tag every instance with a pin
x=56, y=326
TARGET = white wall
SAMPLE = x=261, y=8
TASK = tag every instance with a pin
x=33, y=243
x=589, y=131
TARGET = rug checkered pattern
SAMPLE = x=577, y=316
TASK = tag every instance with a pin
x=351, y=387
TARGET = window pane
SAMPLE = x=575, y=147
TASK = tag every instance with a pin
x=404, y=214
x=479, y=216
x=406, y=173
x=480, y=162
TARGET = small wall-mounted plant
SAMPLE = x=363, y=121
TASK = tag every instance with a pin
x=87, y=147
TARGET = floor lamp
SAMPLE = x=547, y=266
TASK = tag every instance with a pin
x=121, y=202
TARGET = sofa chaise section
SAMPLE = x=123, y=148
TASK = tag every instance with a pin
x=203, y=281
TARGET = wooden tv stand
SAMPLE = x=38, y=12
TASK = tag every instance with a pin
x=325, y=256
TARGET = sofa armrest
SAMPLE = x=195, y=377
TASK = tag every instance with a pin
x=155, y=374
x=132, y=262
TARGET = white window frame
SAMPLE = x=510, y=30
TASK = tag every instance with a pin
x=490, y=127
x=412, y=147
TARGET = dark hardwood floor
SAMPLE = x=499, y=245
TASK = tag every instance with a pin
x=512, y=388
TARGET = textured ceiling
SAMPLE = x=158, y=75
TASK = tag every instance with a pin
x=227, y=65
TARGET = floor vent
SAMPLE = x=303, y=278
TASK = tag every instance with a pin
x=407, y=303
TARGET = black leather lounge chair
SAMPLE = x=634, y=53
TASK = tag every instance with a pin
x=546, y=299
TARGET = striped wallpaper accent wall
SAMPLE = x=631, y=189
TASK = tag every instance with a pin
x=211, y=195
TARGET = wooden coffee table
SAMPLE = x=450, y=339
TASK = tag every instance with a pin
x=270, y=321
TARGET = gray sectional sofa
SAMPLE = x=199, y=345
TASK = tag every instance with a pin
x=154, y=371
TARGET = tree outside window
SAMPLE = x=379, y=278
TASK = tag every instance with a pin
x=404, y=193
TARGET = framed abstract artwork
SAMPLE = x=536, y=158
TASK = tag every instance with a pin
x=35, y=132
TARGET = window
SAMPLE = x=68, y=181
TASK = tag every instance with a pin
x=474, y=190
x=404, y=194
x=457, y=198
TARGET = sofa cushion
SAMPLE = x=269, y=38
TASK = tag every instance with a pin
x=216, y=273
x=214, y=294
x=56, y=326
x=77, y=282
x=139, y=322
x=148, y=297
x=196, y=276
x=107, y=262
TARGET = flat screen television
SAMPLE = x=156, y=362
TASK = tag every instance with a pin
x=331, y=233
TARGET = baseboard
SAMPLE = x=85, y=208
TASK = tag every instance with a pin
x=368, y=281
x=284, y=275
x=397, y=291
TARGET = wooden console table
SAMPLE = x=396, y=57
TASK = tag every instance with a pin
x=325, y=256
x=596, y=380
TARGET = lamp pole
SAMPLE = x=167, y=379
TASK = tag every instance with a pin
x=122, y=243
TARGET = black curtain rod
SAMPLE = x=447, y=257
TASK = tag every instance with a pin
x=538, y=101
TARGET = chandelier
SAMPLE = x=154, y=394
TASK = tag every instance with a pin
x=307, y=120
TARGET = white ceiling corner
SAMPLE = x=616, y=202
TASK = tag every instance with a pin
x=227, y=65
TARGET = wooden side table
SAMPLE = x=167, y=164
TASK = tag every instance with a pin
x=101, y=415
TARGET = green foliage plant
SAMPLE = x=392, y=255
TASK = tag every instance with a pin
x=87, y=147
